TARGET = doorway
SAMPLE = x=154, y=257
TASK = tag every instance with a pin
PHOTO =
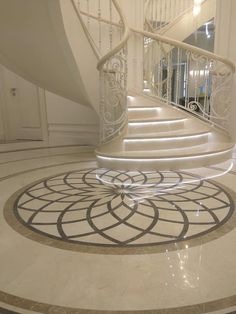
x=21, y=109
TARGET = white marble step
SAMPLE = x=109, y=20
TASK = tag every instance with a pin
x=190, y=130
x=153, y=162
x=163, y=112
x=164, y=142
x=218, y=149
x=159, y=136
x=211, y=147
x=155, y=125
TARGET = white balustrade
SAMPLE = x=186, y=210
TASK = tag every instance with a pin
x=159, y=13
x=176, y=73
x=107, y=31
x=188, y=77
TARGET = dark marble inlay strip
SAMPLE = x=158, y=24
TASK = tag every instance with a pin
x=45, y=308
x=207, y=307
x=68, y=243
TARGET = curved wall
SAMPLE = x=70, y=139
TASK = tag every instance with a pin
x=34, y=45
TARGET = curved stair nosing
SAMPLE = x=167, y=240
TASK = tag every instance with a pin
x=156, y=121
x=158, y=137
x=163, y=163
x=155, y=143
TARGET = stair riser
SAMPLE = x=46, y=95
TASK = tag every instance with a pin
x=153, y=128
x=144, y=114
x=163, y=164
x=147, y=113
x=140, y=145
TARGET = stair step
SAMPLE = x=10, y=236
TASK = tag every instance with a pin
x=155, y=125
x=161, y=137
x=143, y=112
x=153, y=112
x=163, y=142
x=164, y=160
x=211, y=147
x=143, y=108
x=158, y=121
x=181, y=132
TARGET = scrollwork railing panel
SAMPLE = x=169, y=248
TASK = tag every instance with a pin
x=197, y=81
x=107, y=31
x=113, y=89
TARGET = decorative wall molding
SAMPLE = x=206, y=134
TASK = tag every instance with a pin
x=73, y=133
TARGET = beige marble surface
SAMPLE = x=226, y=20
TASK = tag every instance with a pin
x=42, y=273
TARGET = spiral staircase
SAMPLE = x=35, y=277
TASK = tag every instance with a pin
x=78, y=49
x=175, y=124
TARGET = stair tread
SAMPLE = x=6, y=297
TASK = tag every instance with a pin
x=169, y=134
x=217, y=145
x=146, y=120
x=175, y=152
x=143, y=101
x=154, y=106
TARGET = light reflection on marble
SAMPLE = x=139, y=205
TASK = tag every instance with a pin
x=186, y=276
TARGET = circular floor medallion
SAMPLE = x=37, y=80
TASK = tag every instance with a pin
x=103, y=209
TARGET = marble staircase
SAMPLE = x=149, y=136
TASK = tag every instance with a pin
x=160, y=136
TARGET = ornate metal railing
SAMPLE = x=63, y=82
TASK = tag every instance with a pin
x=159, y=13
x=176, y=73
x=188, y=77
x=107, y=31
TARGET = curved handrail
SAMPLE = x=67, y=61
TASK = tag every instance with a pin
x=216, y=74
x=205, y=87
x=185, y=46
x=94, y=47
x=123, y=41
x=167, y=8
x=112, y=67
x=103, y=59
x=171, y=41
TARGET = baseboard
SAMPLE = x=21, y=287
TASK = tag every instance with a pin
x=87, y=134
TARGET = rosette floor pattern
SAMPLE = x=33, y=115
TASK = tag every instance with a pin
x=77, y=238
x=123, y=209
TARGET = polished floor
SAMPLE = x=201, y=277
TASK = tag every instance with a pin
x=78, y=239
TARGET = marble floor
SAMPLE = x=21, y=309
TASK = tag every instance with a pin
x=78, y=239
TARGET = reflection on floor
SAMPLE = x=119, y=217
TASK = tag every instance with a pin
x=78, y=239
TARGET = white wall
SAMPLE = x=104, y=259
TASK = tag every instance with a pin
x=225, y=43
x=34, y=44
x=1, y=125
x=67, y=122
x=70, y=122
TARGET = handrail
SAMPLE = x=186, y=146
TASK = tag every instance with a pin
x=165, y=12
x=103, y=59
x=112, y=65
x=185, y=46
x=95, y=50
x=177, y=43
x=177, y=73
x=123, y=41
x=177, y=18
x=190, y=78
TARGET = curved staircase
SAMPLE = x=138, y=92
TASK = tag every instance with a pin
x=162, y=137
x=182, y=121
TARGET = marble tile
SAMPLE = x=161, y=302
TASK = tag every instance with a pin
x=43, y=276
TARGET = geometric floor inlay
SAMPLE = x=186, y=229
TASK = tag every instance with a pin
x=113, y=208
